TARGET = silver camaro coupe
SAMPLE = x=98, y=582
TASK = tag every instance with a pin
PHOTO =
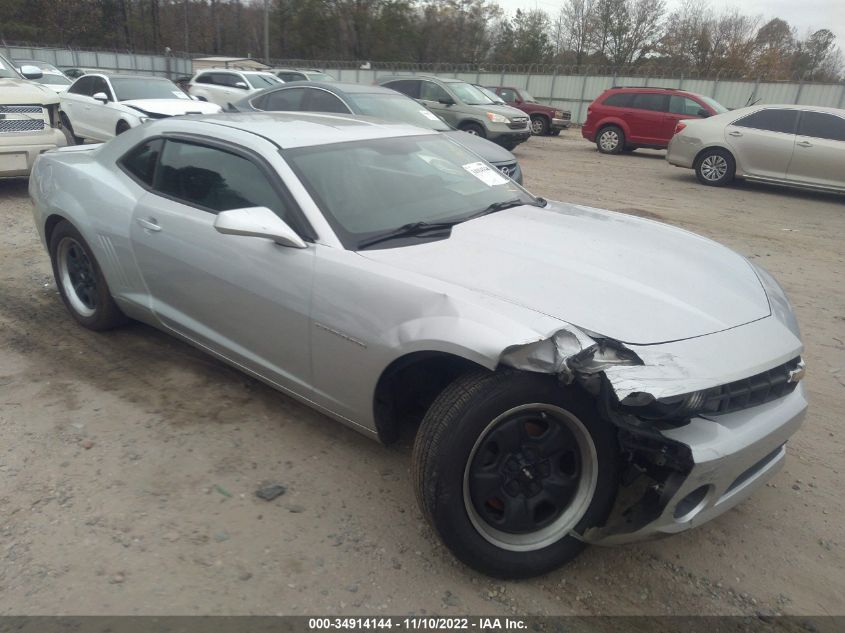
x=573, y=375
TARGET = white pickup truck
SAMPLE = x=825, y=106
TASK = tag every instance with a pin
x=29, y=119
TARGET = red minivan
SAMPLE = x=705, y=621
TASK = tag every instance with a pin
x=623, y=119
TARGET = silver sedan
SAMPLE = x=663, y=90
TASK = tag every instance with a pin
x=544, y=353
x=800, y=146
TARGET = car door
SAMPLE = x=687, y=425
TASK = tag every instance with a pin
x=646, y=118
x=819, y=156
x=245, y=298
x=201, y=86
x=680, y=108
x=432, y=96
x=763, y=142
x=104, y=116
x=226, y=88
x=74, y=102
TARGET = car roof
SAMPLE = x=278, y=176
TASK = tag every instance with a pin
x=337, y=87
x=299, y=129
x=234, y=70
x=446, y=80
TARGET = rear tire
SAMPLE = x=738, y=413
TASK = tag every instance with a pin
x=474, y=129
x=554, y=132
x=715, y=167
x=514, y=521
x=81, y=283
x=539, y=125
x=610, y=139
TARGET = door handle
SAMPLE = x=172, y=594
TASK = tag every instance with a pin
x=804, y=144
x=150, y=224
x=735, y=133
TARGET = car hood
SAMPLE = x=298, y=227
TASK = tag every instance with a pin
x=630, y=279
x=488, y=150
x=172, y=107
x=504, y=110
x=20, y=91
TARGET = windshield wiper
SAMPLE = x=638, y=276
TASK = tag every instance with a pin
x=414, y=229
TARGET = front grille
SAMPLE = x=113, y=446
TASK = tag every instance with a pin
x=508, y=170
x=20, y=109
x=567, y=115
x=21, y=125
x=750, y=392
x=518, y=123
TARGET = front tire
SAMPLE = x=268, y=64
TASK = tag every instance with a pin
x=715, y=167
x=610, y=140
x=69, y=133
x=539, y=125
x=474, y=129
x=81, y=283
x=507, y=465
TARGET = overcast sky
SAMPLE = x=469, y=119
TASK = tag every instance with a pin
x=802, y=14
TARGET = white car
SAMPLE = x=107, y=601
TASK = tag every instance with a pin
x=51, y=76
x=100, y=107
x=225, y=86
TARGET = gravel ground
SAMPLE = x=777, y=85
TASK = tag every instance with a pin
x=129, y=461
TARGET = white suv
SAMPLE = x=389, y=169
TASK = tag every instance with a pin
x=225, y=86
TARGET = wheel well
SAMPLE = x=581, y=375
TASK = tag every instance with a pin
x=541, y=115
x=466, y=122
x=50, y=225
x=117, y=127
x=719, y=147
x=409, y=385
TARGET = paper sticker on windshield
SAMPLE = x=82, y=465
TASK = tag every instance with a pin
x=485, y=174
x=180, y=94
x=429, y=115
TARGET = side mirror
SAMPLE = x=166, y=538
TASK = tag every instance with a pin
x=102, y=97
x=258, y=222
x=31, y=72
x=241, y=85
x=446, y=101
x=703, y=113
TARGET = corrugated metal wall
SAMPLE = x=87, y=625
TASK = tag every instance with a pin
x=576, y=92
x=123, y=62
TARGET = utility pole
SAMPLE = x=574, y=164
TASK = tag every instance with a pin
x=267, y=32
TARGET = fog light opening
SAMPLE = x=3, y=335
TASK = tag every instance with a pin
x=692, y=504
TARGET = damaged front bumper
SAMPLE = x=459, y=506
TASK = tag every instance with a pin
x=728, y=457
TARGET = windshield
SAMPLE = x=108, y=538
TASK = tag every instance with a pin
x=527, y=97
x=396, y=108
x=129, y=88
x=490, y=95
x=370, y=188
x=50, y=75
x=6, y=70
x=319, y=76
x=469, y=94
x=718, y=107
x=262, y=81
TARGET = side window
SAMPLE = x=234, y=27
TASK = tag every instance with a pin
x=214, y=179
x=223, y=79
x=82, y=86
x=409, y=87
x=684, y=105
x=100, y=85
x=771, y=120
x=284, y=100
x=205, y=78
x=322, y=101
x=430, y=91
x=651, y=101
x=508, y=95
x=141, y=161
x=620, y=100
x=821, y=125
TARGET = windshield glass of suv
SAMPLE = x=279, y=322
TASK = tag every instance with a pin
x=469, y=94
x=262, y=81
x=370, y=188
x=318, y=76
x=129, y=88
x=397, y=108
x=527, y=97
x=6, y=70
x=718, y=107
x=50, y=75
x=492, y=96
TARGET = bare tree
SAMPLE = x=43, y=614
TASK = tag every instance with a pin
x=574, y=27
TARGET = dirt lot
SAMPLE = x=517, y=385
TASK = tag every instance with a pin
x=129, y=461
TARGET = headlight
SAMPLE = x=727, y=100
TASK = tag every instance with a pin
x=778, y=301
x=558, y=114
x=497, y=118
x=643, y=405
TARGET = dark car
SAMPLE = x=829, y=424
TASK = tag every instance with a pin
x=544, y=119
x=623, y=119
x=374, y=101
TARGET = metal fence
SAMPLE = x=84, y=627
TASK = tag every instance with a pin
x=117, y=61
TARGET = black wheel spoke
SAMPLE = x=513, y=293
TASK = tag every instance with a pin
x=484, y=486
